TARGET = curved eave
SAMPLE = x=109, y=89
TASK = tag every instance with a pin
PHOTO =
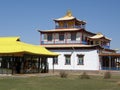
x=80, y=21
x=59, y=30
x=77, y=20
x=65, y=19
x=100, y=38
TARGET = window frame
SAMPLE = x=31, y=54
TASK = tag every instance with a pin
x=61, y=37
x=73, y=36
x=65, y=25
x=55, y=60
x=67, y=59
x=80, y=61
x=49, y=37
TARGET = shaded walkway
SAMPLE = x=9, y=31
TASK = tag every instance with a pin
x=110, y=61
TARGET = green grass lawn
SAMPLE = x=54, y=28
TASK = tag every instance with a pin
x=57, y=83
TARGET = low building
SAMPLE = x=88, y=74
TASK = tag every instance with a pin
x=79, y=49
x=20, y=57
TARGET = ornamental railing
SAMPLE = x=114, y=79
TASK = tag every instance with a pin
x=106, y=46
x=60, y=27
x=64, y=42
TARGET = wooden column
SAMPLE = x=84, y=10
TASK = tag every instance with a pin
x=54, y=37
x=38, y=64
x=22, y=65
x=66, y=37
x=109, y=62
x=41, y=66
x=13, y=64
x=81, y=37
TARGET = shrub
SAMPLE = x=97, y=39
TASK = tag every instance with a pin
x=118, y=83
x=107, y=75
x=84, y=76
x=63, y=74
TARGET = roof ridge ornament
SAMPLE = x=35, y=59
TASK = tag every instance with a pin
x=68, y=14
x=99, y=33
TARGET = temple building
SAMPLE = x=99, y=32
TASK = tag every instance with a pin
x=79, y=49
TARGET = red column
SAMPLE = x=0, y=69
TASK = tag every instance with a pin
x=54, y=37
x=66, y=37
x=109, y=44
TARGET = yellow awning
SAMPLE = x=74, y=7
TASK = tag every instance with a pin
x=13, y=45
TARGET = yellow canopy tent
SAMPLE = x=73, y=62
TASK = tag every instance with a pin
x=13, y=46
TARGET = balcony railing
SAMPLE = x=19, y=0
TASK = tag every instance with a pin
x=82, y=26
x=47, y=42
x=84, y=42
x=59, y=42
x=106, y=46
x=52, y=42
x=63, y=42
x=59, y=27
x=74, y=41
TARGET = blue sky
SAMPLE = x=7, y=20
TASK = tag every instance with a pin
x=24, y=17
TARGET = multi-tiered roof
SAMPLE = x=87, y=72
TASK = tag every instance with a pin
x=73, y=33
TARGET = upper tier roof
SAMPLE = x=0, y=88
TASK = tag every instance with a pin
x=69, y=16
x=65, y=30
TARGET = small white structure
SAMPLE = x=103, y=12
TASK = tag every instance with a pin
x=79, y=49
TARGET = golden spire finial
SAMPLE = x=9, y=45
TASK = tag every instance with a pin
x=69, y=13
x=99, y=33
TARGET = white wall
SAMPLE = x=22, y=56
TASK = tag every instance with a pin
x=91, y=60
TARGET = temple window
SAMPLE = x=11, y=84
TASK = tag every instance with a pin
x=80, y=59
x=55, y=60
x=61, y=37
x=97, y=42
x=67, y=59
x=49, y=37
x=65, y=24
x=91, y=42
x=73, y=36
